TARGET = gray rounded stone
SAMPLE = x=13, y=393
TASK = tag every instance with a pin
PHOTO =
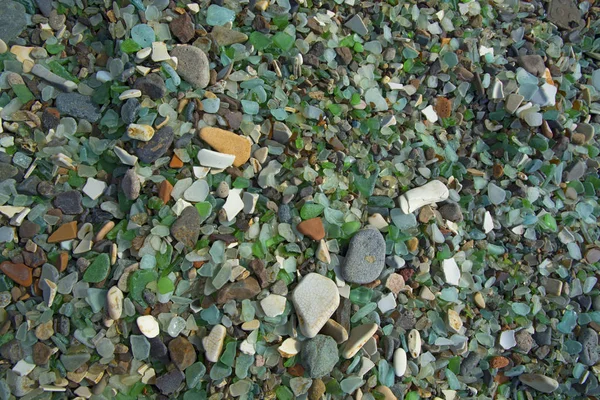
x=192, y=65
x=187, y=227
x=319, y=356
x=69, y=202
x=12, y=20
x=131, y=185
x=365, y=258
x=78, y=106
x=150, y=151
x=589, y=340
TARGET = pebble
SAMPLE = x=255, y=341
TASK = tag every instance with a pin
x=20, y=273
x=313, y=228
x=130, y=94
x=197, y=192
x=386, y=392
x=12, y=20
x=44, y=331
x=78, y=106
x=227, y=142
x=7, y=171
x=281, y=133
x=315, y=299
x=289, y=348
x=451, y=271
x=317, y=390
x=241, y=290
x=114, y=302
x=140, y=132
x=3, y=47
x=131, y=185
x=335, y=330
x=513, y=102
x=524, y=341
x=182, y=352
x=365, y=258
x=94, y=188
x=192, y=65
x=69, y=202
x=499, y=362
x=65, y=232
x=479, y=300
x=170, y=382
x=151, y=85
x=213, y=343
x=41, y=353
x=414, y=343
x=150, y=151
x=589, y=353
x=430, y=193
x=451, y=212
x=130, y=110
x=159, y=52
x=359, y=336
x=183, y=28
x=539, y=382
x=273, y=305
x=534, y=64
x=225, y=36
x=186, y=229
x=400, y=362
x=214, y=159
x=319, y=356
x=148, y=326
x=222, y=190
x=565, y=14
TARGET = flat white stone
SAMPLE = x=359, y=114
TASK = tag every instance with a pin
x=10, y=211
x=454, y=321
x=427, y=294
x=130, y=94
x=451, y=271
x=378, y=221
x=430, y=114
x=201, y=172
x=400, y=362
x=315, y=300
x=250, y=200
x=358, y=337
x=248, y=348
x=193, y=7
x=387, y=303
x=94, y=188
x=103, y=76
x=488, y=222
x=114, y=302
x=365, y=366
x=213, y=343
x=414, y=343
x=234, y=204
x=214, y=159
x=125, y=157
x=507, y=340
x=148, y=326
x=159, y=52
x=197, y=191
x=179, y=206
x=430, y=193
x=273, y=305
x=289, y=348
x=23, y=368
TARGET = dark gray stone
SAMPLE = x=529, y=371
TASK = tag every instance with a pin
x=78, y=106
x=285, y=214
x=12, y=20
x=469, y=363
x=29, y=186
x=150, y=151
x=151, y=85
x=193, y=65
x=7, y=171
x=543, y=338
x=589, y=340
x=12, y=351
x=169, y=382
x=69, y=202
x=131, y=185
x=533, y=64
x=365, y=258
x=45, y=7
x=319, y=356
x=451, y=212
x=565, y=14
x=130, y=110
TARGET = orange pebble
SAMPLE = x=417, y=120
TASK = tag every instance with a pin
x=176, y=162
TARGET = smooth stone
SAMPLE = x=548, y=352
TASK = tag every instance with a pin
x=130, y=110
x=534, y=64
x=281, y=133
x=197, y=192
x=12, y=20
x=227, y=142
x=222, y=190
x=69, y=202
x=273, y=305
x=451, y=271
x=513, y=102
x=524, y=341
x=182, y=28
x=192, y=65
x=186, y=229
x=78, y=106
x=148, y=326
x=430, y=193
x=114, y=302
x=241, y=290
x=170, y=382
x=365, y=258
x=7, y=171
x=317, y=390
x=315, y=300
x=313, y=228
x=565, y=14
x=414, y=343
x=140, y=132
x=41, y=353
x=451, y=212
x=400, y=362
x=357, y=25
x=213, y=343
x=131, y=185
x=226, y=36
x=358, y=337
x=150, y=151
x=21, y=274
x=214, y=159
x=289, y=348
x=151, y=85
x=335, y=330
x=182, y=352
x=589, y=340
x=539, y=382
x=319, y=356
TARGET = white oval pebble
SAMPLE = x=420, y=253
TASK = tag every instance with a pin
x=213, y=343
x=114, y=300
x=130, y=94
x=400, y=362
x=289, y=348
x=414, y=343
x=148, y=326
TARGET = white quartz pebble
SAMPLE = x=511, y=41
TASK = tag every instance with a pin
x=234, y=204
x=114, y=301
x=213, y=343
x=451, y=271
x=148, y=326
x=400, y=362
x=273, y=305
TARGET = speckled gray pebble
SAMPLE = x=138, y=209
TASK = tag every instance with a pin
x=131, y=185
x=150, y=151
x=78, y=106
x=589, y=340
x=130, y=110
x=192, y=65
x=469, y=363
x=319, y=356
x=365, y=258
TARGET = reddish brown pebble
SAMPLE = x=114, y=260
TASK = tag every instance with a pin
x=296, y=370
x=406, y=273
x=164, y=191
x=62, y=261
x=65, y=232
x=443, y=107
x=499, y=362
x=313, y=228
x=20, y=273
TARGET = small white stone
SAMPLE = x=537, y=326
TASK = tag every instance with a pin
x=159, y=52
x=289, y=348
x=179, y=206
x=125, y=157
x=273, y=305
x=83, y=247
x=248, y=348
x=94, y=188
x=23, y=368
x=414, y=343
x=214, y=159
x=488, y=222
x=250, y=200
x=507, y=339
x=193, y=7
x=251, y=325
x=359, y=336
x=197, y=191
x=213, y=343
x=378, y=221
x=148, y=326
x=430, y=114
x=451, y=271
x=130, y=94
x=400, y=362
x=3, y=47
x=426, y=294
x=142, y=70
x=114, y=301
x=103, y=76
x=234, y=204
x=479, y=300
x=201, y=172
x=140, y=132
x=387, y=303
x=454, y=321
x=430, y=193
x=315, y=300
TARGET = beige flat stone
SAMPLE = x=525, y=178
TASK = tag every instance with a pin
x=335, y=330
x=213, y=343
x=289, y=348
x=227, y=142
x=358, y=337
x=315, y=300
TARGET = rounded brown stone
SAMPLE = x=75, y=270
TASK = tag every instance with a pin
x=227, y=142
x=499, y=362
x=313, y=228
x=182, y=353
x=20, y=273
